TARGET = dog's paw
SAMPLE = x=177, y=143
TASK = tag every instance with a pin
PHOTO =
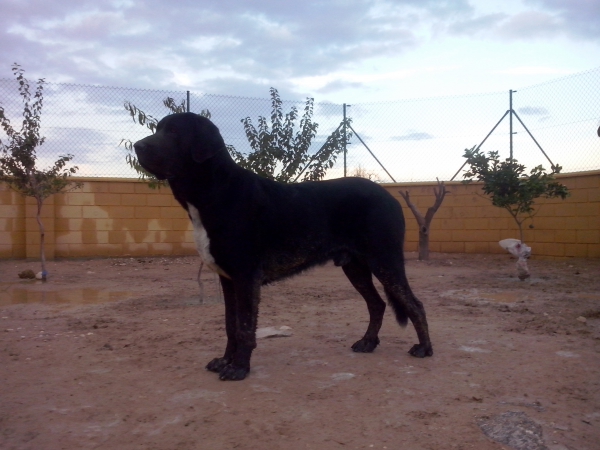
x=217, y=364
x=365, y=345
x=421, y=351
x=233, y=373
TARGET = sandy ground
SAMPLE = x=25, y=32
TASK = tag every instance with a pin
x=110, y=354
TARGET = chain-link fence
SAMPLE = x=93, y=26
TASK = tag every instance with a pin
x=412, y=140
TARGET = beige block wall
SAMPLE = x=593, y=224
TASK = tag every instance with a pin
x=12, y=224
x=468, y=222
x=119, y=217
x=106, y=217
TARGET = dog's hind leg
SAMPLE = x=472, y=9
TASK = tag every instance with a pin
x=406, y=305
x=217, y=364
x=416, y=313
x=360, y=276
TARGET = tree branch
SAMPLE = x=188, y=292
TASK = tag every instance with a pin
x=420, y=219
x=440, y=192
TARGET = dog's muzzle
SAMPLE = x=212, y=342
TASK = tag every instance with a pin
x=148, y=162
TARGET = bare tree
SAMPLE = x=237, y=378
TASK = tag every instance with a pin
x=424, y=222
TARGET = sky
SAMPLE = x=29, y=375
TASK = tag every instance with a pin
x=366, y=53
x=335, y=51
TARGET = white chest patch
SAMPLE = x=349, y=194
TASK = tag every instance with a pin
x=202, y=241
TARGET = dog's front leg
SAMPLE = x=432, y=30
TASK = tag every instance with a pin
x=247, y=296
x=217, y=364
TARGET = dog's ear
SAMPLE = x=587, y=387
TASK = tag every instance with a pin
x=206, y=141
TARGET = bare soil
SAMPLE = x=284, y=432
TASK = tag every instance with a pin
x=110, y=354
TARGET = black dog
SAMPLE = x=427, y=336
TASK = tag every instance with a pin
x=253, y=231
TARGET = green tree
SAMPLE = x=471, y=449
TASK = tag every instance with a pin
x=280, y=153
x=18, y=155
x=150, y=122
x=508, y=186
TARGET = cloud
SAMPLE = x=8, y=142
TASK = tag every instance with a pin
x=414, y=136
x=242, y=47
x=576, y=19
x=242, y=87
x=541, y=113
x=534, y=111
x=530, y=24
x=154, y=44
x=338, y=85
x=476, y=25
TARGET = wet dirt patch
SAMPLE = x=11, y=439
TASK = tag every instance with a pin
x=41, y=293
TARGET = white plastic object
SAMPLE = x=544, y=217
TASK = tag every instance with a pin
x=522, y=252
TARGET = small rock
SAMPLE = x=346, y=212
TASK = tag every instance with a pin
x=342, y=376
x=268, y=332
x=567, y=354
x=28, y=274
x=513, y=429
x=464, y=348
x=582, y=319
x=38, y=276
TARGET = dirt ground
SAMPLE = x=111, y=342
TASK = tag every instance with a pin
x=110, y=354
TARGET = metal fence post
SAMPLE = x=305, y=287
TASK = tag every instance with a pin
x=510, y=93
x=188, y=101
x=345, y=138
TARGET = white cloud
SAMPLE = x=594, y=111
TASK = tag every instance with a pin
x=311, y=46
x=530, y=24
x=413, y=136
x=534, y=111
x=578, y=18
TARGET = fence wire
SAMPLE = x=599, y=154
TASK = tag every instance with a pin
x=414, y=140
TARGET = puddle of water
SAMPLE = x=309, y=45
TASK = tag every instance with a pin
x=11, y=294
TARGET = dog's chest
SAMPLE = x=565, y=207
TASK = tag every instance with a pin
x=202, y=241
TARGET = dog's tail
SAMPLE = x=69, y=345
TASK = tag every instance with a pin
x=397, y=300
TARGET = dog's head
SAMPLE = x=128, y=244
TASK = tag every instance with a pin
x=180, y=141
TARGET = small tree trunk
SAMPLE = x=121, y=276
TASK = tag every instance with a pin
x=521, y=232
x=518, y=222
x=423, y=243
x=42, y=238
x=425, y=222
